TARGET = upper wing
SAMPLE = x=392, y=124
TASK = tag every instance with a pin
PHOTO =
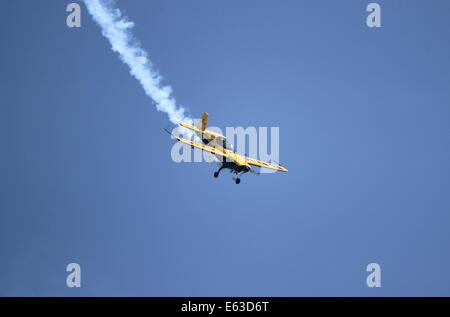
x=204, y=132
x=256, y=162
x=204, y=147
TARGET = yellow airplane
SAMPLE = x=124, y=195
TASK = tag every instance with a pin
x=216, y=144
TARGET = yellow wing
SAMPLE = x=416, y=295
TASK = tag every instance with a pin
x=203, y=132
x=256, y=162
x=237, y=158
x=204, y=147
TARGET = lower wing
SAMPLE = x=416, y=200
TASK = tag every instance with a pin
x=256, y=162
x=204, y=147
x=238, y=159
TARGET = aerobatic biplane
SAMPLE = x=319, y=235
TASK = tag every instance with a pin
x=216, y=144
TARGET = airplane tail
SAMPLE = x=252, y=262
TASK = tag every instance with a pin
x=204, y=122
x=200, y=128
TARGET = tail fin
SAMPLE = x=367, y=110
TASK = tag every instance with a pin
x=204, y=122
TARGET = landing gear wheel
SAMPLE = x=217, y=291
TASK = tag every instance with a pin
x=216, y=174
x=238, y=180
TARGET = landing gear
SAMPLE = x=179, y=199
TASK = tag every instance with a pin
x=237, y=180
x=237, y=170
x=216, y=174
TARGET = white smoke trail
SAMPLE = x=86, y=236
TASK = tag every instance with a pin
x=117, y=29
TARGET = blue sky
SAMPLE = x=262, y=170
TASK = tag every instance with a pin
x=86, y=173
